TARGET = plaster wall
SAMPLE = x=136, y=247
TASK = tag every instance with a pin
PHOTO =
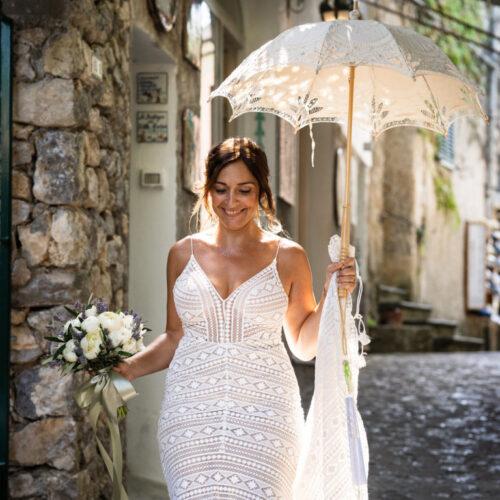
x=152, y=233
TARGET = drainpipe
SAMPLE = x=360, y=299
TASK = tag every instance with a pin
x=5, y=242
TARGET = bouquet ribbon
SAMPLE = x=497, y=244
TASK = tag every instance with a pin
x=108, y=391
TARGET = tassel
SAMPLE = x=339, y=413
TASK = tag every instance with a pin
x=356, y=452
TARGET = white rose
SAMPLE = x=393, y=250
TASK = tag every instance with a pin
x=91, y=311
x=117, y=337
x=111, y=321
x=140, y=345
x=128, y=321
x=91, y=345
x=68, y=352
x=73, y=322
x=127, y=334
x=130, y=346
x=91, y=325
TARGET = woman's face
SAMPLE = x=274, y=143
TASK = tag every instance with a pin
x=235, y=196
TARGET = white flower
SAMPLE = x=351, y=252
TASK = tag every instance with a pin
x=140, y=345
x=118, y=337
x=91, y=325
x=73, y=322
x=91, y=345
x=91, y=311
x=111, y=321
x=128, y=321
x=68, y=352
x=130, y=346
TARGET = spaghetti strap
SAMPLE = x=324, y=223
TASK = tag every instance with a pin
x=191, y=240
x=277, y=249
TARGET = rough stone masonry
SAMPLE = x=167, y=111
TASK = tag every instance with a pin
x=71, y=143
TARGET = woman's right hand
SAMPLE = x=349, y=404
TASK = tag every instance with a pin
x=124, y=368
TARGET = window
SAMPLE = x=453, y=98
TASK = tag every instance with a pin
x=446, y=153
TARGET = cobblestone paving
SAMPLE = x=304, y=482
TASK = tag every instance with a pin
x=433, y=425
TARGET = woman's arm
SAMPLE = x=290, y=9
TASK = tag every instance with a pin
x=159, y=353
x=303, y=315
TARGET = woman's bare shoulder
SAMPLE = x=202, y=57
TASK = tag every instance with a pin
x=179, y=254
x=291, y=253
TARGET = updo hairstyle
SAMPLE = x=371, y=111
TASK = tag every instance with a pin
x=254, y=157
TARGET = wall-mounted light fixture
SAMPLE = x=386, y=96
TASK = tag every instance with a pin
x=339, y=10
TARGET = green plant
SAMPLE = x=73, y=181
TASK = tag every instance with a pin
x=459, y=51
x=445, y=197
x=371, y=322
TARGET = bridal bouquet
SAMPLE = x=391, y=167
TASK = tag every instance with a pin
x=95, y=340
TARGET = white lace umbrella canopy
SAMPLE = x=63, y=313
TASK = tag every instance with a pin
x=402, y=78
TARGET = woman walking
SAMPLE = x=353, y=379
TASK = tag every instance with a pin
x=231, y=422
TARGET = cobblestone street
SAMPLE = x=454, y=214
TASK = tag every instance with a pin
x=433, y=425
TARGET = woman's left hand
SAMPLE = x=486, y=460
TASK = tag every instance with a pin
x=346, y=277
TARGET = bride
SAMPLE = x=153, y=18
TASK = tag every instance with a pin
x=231, y=423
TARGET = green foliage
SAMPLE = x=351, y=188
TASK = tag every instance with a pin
x=443, y=189
x=459, y=51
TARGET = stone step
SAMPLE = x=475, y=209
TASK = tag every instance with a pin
x=423, y=337
x=391, y=293
x=400, y=338
x=403, y=311
x=457, y=343
x=441, y=327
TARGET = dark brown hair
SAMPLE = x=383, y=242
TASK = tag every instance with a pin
x=253, y=156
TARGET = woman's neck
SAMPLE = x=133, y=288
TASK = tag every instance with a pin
x=237, y=239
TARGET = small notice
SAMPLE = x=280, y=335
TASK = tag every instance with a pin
x=152, y=126
x=152, y=88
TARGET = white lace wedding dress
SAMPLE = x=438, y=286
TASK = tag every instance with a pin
x=231, y=424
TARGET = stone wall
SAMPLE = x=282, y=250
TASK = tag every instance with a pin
x=69, y=224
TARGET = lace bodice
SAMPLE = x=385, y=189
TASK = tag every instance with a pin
x=252, y=312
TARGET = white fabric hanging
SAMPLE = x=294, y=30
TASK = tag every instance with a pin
x=324, y=471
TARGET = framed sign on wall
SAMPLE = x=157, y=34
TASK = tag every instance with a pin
x=475, y=263
x=152, y=126
x=152, y=88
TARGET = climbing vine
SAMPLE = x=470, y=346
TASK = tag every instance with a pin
x=459, y=51
x=464, y=56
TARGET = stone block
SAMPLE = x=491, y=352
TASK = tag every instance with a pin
x=60, y=173
x=69, y=245
x=18, y=316
x=64, y=54
x=91, y=149
x=21, y=185
x=20, y=274
x=23, y=345
x=50, y=441
x=22, y=152
x=49, y=287
x=35, y=238
x=104, y=194
x=21, y=211
x=42, y=392
x=101, y=284
x=113, y=248
x=111, y=162
x=95, y=122
x=55, y=102
x=22, y=132
x=92, y=200
x=47, y=322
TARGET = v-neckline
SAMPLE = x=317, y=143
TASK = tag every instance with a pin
x=238, y=287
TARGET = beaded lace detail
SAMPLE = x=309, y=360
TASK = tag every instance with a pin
x=231, y=423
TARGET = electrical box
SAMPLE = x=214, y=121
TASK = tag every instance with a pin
x=153, y=179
